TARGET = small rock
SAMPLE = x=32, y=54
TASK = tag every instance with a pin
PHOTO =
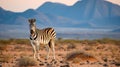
x=41, y=64
x=55, y=62
x=61, y=62
x=117, y=64
x=105, y=59
x=45, y=59
x=64, y=62
x=59, y=54
x=46, y=63
x=87, y=62
x=49, y=65
x=65, y=66
x=100, y=63
x=105, y=65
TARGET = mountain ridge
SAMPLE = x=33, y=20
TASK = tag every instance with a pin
x=91, y=14
x=80, y=7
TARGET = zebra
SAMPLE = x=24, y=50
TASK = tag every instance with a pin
x=44, y=36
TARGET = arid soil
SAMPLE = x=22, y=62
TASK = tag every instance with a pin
x=68, y=54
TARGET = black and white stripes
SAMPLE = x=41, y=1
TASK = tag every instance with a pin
x=41, y=36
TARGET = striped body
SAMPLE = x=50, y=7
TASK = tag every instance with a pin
x=45, y=35
x=41, y=36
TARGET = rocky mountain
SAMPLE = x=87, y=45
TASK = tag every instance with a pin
x=91, y=14
x=85, y=9
x=94, y=12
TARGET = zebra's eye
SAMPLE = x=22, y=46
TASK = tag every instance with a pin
x=31, y=31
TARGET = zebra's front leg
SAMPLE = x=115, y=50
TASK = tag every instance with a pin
x=34, y=50
x=34, y=53
x=38, y=57
x=53, y=48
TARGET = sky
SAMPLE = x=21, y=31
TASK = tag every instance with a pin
x=22, y=5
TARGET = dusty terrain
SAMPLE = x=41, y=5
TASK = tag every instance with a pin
x=69, y=53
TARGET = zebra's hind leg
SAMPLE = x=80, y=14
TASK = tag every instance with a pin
x=52, y=44
x=48, y=51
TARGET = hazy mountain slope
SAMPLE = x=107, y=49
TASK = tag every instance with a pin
x=90, y=14
x=85, y=14
x=82, y=10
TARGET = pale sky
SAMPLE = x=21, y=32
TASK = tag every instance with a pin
x=22, y=5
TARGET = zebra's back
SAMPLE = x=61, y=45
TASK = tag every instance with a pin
x=45, y=35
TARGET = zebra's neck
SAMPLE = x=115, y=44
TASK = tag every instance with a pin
x=33, y=35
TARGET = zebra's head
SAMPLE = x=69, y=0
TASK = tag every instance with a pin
x=32, y=26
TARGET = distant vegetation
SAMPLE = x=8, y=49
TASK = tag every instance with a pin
x=90, y=42
x=60, y=40
x=14, y=41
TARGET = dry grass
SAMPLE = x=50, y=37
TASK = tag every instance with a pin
x=60, y=40
x=70, y=41
x=4, y=43
x=3, y=47
x=27, y=61
x=71, y=46
x=78, y=56
x=20, y=49
x=6, y=58
x=108, y=41
x=22, y=41
x=14, y=41
x=90, y=42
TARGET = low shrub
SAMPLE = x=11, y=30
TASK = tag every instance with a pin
x=71, y=46
x=27, y=61
x=78, y=56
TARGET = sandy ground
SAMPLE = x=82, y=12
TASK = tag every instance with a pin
x=95, y=55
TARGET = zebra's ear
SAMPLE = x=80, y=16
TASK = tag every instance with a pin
x=29, y=20
x=34, y=20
